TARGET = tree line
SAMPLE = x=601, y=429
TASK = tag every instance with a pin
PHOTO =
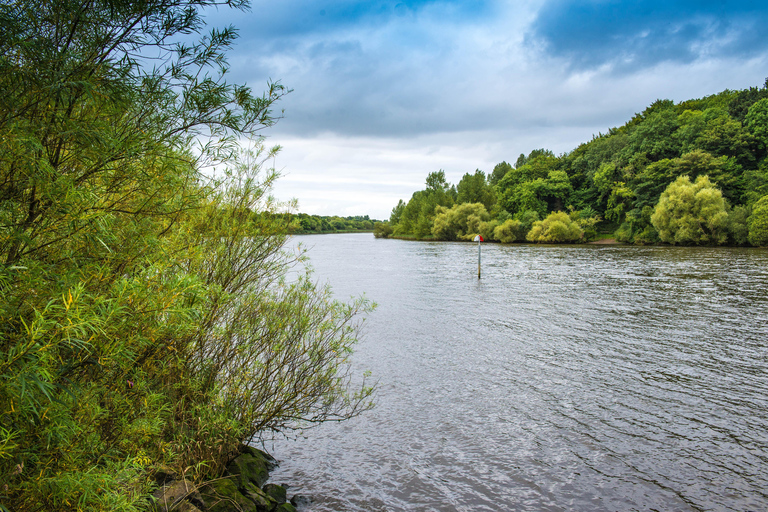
x=303, y=223
x=152, y=316
x=689, y=173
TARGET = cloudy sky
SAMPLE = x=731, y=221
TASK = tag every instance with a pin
x=385, y=92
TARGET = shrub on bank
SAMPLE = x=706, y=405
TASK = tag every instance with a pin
x=558, y=227
x=758, y=223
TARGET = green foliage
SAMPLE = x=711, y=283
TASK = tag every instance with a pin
x=304, y=223
x=460, y=222
x=659, y=175
x=558, y=227
x=620, y=175
x=397, y=212
x=486, y=229
x=653, y=136
x=473, y=188
x=383, y=229
x=417, y=217
x=739, y=105
x=691, y=213
x=757, y=122
x=498, y=172
x=587, y=219
x=147, y=318
x=756, y=183
x=524, y=188
x=738, y=226
x=758, y=223
x=511, y=230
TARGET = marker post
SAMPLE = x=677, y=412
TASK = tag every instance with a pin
x=478, y=239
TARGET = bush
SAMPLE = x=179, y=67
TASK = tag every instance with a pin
x=486, y=229
x=383, y=229
x=587, y=219
x=511, y=230
x=558, y=227
x=738, y=227
x=624, y=233
x=460, y=222
x=758, y=223
x=527, y=218
x=691, y=213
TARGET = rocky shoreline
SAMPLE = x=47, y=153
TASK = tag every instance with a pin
x=242, y=488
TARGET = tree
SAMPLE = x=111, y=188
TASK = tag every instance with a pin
x=725, y=136
x=383, y=229
x=758, y=223
x=417, y=217
x=554, y=190
x=147, y=320
x=461, y=222
x=691, y=213
x=397, y=212
x=756, y=122
x=558, y=227
x=473, y=188
x=509, y=231
x=518, y=190
x=499, y=171
x=739, y=106
x=654, y=134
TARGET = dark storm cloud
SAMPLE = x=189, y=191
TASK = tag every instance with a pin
x=634, y=35
x=275, y=22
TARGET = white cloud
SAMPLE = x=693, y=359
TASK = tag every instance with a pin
x=376, y=107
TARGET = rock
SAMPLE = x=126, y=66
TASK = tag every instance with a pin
x=222, y=495
x=301, y=501
x=175, y=495
x=276, y=492
x=263, y=502
x=248, y=468
x=165, y=475
x=259, y=454
x=285, y=507
x=186, y=506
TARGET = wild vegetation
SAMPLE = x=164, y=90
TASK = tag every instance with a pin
x=152, y=317
x=626, y=182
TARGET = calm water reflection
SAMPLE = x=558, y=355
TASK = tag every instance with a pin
x=567, y=378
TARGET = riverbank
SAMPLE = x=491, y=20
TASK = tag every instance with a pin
x=242, y=488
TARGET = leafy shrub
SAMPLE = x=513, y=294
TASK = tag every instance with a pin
x=487, y=228
x=383, y=230
x=558, y=227
x=738, y=227
x=460, y=222
x=691, y=213
x=511, y=230
x=758, y=223
x=624, y=233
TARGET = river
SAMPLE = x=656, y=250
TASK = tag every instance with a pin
x=588, y=378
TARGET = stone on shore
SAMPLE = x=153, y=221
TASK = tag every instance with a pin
x=179, y=495
x=243, y=488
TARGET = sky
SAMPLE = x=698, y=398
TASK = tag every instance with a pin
x=385, y=92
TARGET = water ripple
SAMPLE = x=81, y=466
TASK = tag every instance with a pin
x=567, y=378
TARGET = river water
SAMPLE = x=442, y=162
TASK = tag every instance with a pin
x=588, y=378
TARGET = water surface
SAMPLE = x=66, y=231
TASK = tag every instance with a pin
x=591, y=378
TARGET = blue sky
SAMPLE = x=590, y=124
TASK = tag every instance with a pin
x=385, y=92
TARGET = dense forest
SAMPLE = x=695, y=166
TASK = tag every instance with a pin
x=688, y=173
